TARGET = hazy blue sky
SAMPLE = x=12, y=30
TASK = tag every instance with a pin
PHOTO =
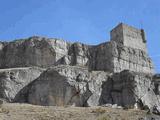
x=87, y=21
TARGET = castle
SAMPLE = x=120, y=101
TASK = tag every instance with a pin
x=118, y=71
x=126, y=50
x=130, y=45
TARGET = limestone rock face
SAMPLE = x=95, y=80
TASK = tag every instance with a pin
x=72, y=85
x=44, y=52
x=131, y=59
x=79, y=54
x=113, y=57
x=65, y=85
x=127, y=88
x=101, y=57
x=13, y=80
x=34, y=51
x=46, y=71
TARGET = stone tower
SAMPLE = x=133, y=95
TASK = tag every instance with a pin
x=130, y=50
x=129, y=36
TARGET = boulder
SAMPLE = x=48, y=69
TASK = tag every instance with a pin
x=14, y=79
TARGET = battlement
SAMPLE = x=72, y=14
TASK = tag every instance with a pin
x=129, y=36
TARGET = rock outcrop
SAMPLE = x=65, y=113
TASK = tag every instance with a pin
x=65, y=85
x=113, y=56
x=34, y=51
x=14, y=79
x=129, y=89
x=46, y=71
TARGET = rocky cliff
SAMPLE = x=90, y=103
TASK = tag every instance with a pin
x=44, y=52
x=46, y=71
x=65, y=85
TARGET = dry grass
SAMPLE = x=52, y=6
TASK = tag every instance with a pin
x=99, y=110
x=105, y=118
x=3, y=110
x=32, y=112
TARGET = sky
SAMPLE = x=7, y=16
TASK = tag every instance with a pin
x=86, y=21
